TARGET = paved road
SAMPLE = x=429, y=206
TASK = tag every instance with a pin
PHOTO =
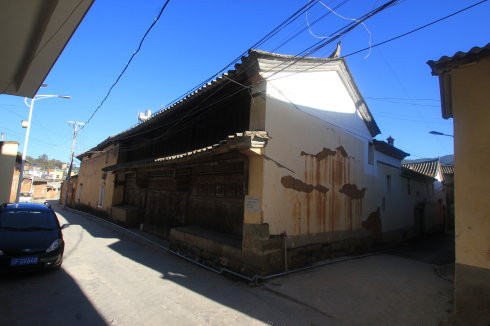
x=111, y=278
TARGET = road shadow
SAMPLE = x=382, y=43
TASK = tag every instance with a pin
x=235, y=294
x=45, y=298
x=436, y=249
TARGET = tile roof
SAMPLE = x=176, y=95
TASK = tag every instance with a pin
x=447, y=169
x=256, y=59
x=445, y=63
x=428, y=168
x=247, y=139
x=412, y=174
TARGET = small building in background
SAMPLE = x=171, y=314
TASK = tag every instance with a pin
x=442, y=189
x=56, y=174
x=40, y=189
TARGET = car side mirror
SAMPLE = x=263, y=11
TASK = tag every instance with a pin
x=64, y=226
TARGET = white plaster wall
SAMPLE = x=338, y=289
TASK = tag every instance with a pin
x=386, y=159
x=299, y=124
x=295, y=129
x=320, y=94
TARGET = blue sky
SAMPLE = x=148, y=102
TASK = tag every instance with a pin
x=194, y=39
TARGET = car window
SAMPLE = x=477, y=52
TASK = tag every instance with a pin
x=26, y=219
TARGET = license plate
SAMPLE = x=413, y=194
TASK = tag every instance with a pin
x=23, y=261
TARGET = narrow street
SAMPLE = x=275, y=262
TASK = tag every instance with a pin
x=110, y=277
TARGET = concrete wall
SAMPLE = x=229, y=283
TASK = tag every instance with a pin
x=8, y=155
x=470, y=85
x=91, y=178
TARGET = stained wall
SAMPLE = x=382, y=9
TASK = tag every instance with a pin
x=91, y=179
x=318, y=184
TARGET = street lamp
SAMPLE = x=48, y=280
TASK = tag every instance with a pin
x=28, y=126
x=438, y=133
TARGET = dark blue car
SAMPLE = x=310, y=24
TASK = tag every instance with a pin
x=30, y=237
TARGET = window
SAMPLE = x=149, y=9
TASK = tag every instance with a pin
x=388, y=184
x=371, y=153
x=101, y=196
x=27, y=219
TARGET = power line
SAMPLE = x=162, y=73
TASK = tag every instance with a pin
x=333, y=37
x=401, y=98
x=264, y=39
x=406, y=103
x=416, y=29
x=342, y=31
x=129, y=62
x=306, y=27
x=389, y=40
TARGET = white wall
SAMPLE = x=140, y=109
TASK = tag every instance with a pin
x=317, y=143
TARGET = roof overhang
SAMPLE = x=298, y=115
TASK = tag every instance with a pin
x=249, y=68
x=443, y=67
x=32, y=36
x=389, y=150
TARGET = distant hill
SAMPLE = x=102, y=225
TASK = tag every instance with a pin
x=445, y=160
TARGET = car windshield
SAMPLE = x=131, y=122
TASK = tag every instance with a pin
x=27, y=219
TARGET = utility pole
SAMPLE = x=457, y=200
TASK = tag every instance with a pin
x=75, y=124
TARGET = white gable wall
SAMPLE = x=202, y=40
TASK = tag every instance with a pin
x=307, y=115
x=321, y=94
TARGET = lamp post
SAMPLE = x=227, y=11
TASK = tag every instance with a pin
x=438, y=133
x=26, y=140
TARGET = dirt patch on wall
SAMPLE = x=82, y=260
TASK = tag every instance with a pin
x=291, y=182
x=351, y=191
x=321, y=189
x=373, y=222
x=342, y=151
x=326, y=152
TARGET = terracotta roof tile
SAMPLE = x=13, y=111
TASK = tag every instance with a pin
x=458, y=58
x=428, y=168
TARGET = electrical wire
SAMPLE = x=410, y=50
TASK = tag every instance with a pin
x=339, y=33
x=306, y=27
x=388, y=40
x=129, y=62
x=264, y=39
x=352, y=19
x=401, y=99
x=416, y=29
x=334, y=36
x=407, y=103
x=38, y=140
